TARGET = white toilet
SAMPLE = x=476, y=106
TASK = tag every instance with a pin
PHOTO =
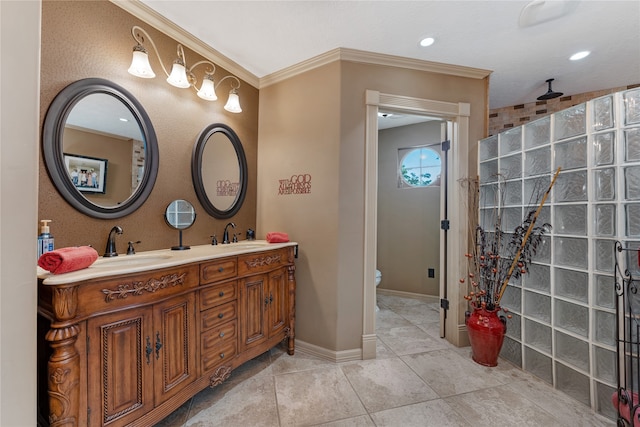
x=378, y=280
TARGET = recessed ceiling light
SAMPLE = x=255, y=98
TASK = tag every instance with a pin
x=427, y=41
x=579, y=55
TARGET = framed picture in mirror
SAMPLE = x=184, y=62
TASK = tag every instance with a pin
x=88, y=174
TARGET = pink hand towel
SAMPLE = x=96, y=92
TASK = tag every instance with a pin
x=277, y=237
x=64, y=260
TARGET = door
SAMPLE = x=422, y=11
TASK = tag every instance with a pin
x=254, y=302
x=173, y=339
x=120, y=367
x=278, y=307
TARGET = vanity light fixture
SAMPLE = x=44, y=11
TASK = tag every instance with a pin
x=181, y=76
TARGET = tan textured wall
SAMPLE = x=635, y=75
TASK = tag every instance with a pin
x=300, y=134
x=315, y=123
x=408, y=218
x=82, y=39
x=501, y=119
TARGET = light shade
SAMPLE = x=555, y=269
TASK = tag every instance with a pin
x=178, y=76
x=140, y=66
x=207, y=90
x=233, y=103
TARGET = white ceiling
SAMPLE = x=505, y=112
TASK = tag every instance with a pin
x=523, y=49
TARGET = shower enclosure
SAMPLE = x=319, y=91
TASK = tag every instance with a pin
x=563, y=326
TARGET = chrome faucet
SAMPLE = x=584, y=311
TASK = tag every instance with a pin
x=111, y=242
x=225, y=235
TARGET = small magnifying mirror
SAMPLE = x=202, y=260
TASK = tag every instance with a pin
x=180, y=215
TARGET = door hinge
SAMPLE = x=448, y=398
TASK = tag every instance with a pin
x=87, y=344
x=446, y=145
x=444, y=304
x=444, y=224
x=88, y=416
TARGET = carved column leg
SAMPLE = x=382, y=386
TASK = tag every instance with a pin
x=292, y=310
x=63, y=374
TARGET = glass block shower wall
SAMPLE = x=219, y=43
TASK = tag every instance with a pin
x=563, y=325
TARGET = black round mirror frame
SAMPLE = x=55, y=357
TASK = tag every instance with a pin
x=52, y=147
x=196, y=170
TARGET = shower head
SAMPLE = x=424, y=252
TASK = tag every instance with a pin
x=550, y=93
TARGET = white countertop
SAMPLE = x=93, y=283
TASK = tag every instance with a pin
x=152, y=260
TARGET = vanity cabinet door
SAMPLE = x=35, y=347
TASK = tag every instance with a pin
x=139, y=358
x=174, y=346
x=264, y=307
x=253, y=310
x=278, y=306
x=120, y=368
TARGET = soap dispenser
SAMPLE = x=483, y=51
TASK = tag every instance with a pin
x=45, y=239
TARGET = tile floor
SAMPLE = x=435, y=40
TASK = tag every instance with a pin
x=417, y=379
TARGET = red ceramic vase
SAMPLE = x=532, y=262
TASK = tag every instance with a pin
x=486, y=331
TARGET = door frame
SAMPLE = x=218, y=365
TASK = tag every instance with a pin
x=457, y=167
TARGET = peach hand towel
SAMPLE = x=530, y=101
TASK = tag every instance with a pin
x=65, y=260
x=277, y=237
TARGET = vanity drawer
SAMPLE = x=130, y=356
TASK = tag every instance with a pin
x=218, y=315
x=217, y=295
x=215, y=337
x=259, y=262
x=217, y=355
x=217, y=270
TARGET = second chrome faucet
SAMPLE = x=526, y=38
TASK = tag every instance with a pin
x=225, y=235
x=111, y=242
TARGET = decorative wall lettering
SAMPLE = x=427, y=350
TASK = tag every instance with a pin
x=224, y=187
x=297, y=184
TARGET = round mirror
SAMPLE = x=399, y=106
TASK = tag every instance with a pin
x=219, y=171
x=100, y=148
x=180, y=215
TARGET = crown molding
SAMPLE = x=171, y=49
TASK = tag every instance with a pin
x=353, y=55
x=159, y=22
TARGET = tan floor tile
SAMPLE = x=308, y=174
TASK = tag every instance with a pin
x=499, y=406
x=250, y=403
x=448, y=373
x=435, y=413
x=387, y=383
x=316, y=396
x=409, y=340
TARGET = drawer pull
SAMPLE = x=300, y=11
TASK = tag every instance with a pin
x=221, y=355
x=221, y=294
x=221, y=315
x=221, y=334
x=220, y=269
x=148, y=350
x=158, y=345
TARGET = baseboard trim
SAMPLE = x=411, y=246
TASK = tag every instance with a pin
x=423, y=297
x=326, y=354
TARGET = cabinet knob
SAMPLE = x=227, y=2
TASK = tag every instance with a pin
x=221, y=315
x=221, y=334
x=220, y=270
x=221, y=355
x=221, y=294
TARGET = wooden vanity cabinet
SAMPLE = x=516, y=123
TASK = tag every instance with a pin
x=128, y=350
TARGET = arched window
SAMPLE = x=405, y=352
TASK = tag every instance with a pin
x=418, y=167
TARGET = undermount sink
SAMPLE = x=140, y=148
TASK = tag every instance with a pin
x=245, y=245
x=129, y=260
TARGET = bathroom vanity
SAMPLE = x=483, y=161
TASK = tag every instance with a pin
x=128, y=340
